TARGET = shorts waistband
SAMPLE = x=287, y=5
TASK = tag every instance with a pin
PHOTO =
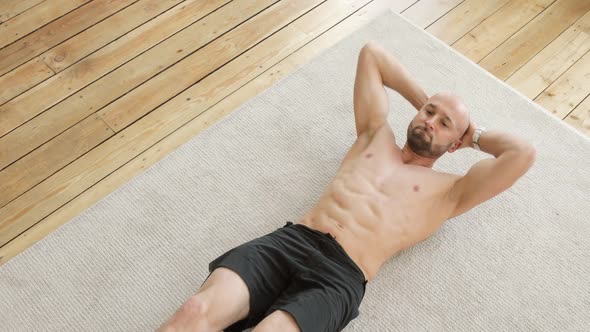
x=339, y=249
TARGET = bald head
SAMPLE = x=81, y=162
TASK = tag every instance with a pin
x=439, y=125
x=454, y=107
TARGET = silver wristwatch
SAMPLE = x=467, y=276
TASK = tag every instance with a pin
x=476, y=135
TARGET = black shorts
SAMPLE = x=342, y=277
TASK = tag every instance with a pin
x=299, y=270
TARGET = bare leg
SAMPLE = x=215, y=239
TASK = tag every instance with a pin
x=279, y=320
x=222, y=300
x=190, y=316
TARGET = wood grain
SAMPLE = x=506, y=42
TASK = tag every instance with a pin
x=57, y=31
x=546, y=67
x=79, y=46
x=35, y=18
x=207, y=59
x=51, y=157
x=65, y=147
x=19, y=80
x=11, y=8
x=498, y=27
x=61, y=187
x=463, y=18
x=255, y=76
x=579, y=118
x=56, y=195
x=533, y=37
x=92, y=39
x=57, y=88
x=425, y=12
x=563, y=95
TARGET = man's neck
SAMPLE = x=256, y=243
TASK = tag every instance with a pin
x=411, y=158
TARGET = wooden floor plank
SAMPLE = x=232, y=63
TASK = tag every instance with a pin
x=425, y=12
x=49, y=195
x=19, y=80
x=86, y=42
x=262, y=57
x=175, y=79
x=579, y=118
x=38, y=99
x=92, y=39
x=11, y=8
x=199, y=98
x=123, y=79
x=142, y=68
x=530, y=40
x=563, y=95
x=35, y=18
x=463, y=18
x=57, y=31
x=498, y=27
x=51, y=157
x=543, y=69
x=323, y=30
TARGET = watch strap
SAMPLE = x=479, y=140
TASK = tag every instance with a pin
x=476, y=136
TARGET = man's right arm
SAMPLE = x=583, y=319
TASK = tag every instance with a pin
x=395, y=76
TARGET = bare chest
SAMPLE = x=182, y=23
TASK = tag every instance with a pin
x=376, y=205
x=392, y=199
x=375, y=195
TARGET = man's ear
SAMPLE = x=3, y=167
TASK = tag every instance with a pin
x=455, y=146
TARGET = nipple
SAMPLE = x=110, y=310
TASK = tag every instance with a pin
x=369, y=155
x=416, y=188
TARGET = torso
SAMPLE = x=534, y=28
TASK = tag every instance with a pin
x=376, y=205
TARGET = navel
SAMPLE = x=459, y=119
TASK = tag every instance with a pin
x=369, y=155
x=416, y=188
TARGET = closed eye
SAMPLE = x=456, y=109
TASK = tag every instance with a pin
x=444, y=124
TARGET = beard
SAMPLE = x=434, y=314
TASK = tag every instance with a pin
x=421, y=143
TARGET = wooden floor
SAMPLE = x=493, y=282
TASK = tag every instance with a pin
x=94, y=91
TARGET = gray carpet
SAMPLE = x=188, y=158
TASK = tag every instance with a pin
x=519, y=262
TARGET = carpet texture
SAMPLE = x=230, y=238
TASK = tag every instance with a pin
x=518, y=262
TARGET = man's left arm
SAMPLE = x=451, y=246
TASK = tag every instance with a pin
x=489, y=177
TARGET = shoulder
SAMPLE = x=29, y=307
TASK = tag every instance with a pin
x=447, y=183
x=381, y=138
x=384, y=132
x=381, y=142
x=450, y=195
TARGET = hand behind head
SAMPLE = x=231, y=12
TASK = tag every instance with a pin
x=467, y=139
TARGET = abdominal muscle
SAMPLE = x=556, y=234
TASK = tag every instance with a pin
x=376, y=206
x=355, y=221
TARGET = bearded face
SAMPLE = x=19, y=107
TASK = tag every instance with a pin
x=422, y=143
x=439, y=124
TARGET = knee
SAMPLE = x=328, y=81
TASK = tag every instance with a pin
x=194, y=307
x=191, y=316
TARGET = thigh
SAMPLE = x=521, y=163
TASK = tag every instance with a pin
x=316, y=309
x=320, y=297
x=264, y=266
x=225, y=296
x=279, y=320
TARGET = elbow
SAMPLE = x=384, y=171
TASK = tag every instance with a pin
x=366, y=53
x=371, y=47
x=371, y=44
x=529, y=154
x=522, y=158
x=532, y=154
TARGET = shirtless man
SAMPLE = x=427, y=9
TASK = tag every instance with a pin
x=310, y=276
